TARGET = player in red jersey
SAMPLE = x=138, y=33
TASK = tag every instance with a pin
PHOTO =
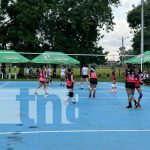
x=70, y=86
x=42, y=81
x=93, y=83
x=138, y=80
x=113, y=77
x=130, y=86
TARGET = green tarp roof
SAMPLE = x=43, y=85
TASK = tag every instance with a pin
x=137, y=59
x=10, y=56
x=54, y=58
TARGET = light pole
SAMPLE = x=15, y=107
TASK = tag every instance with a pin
x=123, y=41
x=123, y=48
x=142, y=32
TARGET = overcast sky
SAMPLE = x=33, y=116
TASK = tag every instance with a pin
x=112, y=41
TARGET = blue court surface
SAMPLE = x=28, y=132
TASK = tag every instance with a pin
x=39, y=122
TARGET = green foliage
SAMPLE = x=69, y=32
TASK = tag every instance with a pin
x=134, y=19
x=70, y=26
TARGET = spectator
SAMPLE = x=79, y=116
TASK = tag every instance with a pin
x=3, y=69
x=27, y=72
x=15, y=68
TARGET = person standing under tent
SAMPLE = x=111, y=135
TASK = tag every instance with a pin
x=84, y=75
x=138, y=80
x=70, y=86
x=113, y=77
x=42, y=81
x=93, y=83
x=47, y=75
x=27, y=72
x=62, y=76
x=50, y=74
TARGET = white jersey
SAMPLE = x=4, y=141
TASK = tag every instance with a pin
x=49, y=72
x=27, y=71
x=85, y=71
x=62, y=72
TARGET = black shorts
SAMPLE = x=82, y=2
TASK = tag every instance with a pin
x=130, y=85
x=93, y=81
x=70, y=87
x=84, y=76
x=42, y=82
x=126, y=84
x=137, y=87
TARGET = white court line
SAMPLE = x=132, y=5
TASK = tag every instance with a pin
x=4, y=84
x=71, y=131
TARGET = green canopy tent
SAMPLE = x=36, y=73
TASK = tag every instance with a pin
x=137, y=59
x=146, y=57
x=10, y=56
x=54, y=58
x=134, y=60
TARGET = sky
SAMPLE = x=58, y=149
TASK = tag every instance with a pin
x=113, y=41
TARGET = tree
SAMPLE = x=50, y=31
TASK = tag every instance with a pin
x=19, y=28
x=134, y=20
x=70, y=26
x=76, y=25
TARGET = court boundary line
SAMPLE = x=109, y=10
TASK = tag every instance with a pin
x=72, y=131
x=4, y=84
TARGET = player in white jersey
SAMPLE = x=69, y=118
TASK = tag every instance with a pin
x=62, y=76
x=48, y=75
x=84, y=75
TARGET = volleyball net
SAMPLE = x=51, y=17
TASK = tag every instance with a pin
x=11, y=67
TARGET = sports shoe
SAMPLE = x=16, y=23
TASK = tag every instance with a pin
x=135, y=103
x=89, y=95
x=138, y=106
x=74, y=102
x=112, y=91
x=93, y=95
x=129, y=106
x=46, y=93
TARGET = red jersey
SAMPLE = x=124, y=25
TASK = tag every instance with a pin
x=68, y=78
x=93, y=75
x=137, y=80
x=113, y=77
x=42, y=77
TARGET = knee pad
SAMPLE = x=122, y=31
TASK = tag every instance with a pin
x=70, y=94
x=140, y=95
x=91, y=88
x=113, y=85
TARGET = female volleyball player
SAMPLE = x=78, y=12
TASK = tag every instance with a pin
x=84, y=75
x=70, y=85
x=48, y=76
x=93, y=83
x=138, y=80
x=62, y=75
x=42, y=81
x=113, y=77
x=130, y=85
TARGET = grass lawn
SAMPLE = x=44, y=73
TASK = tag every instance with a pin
x=104, y=74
